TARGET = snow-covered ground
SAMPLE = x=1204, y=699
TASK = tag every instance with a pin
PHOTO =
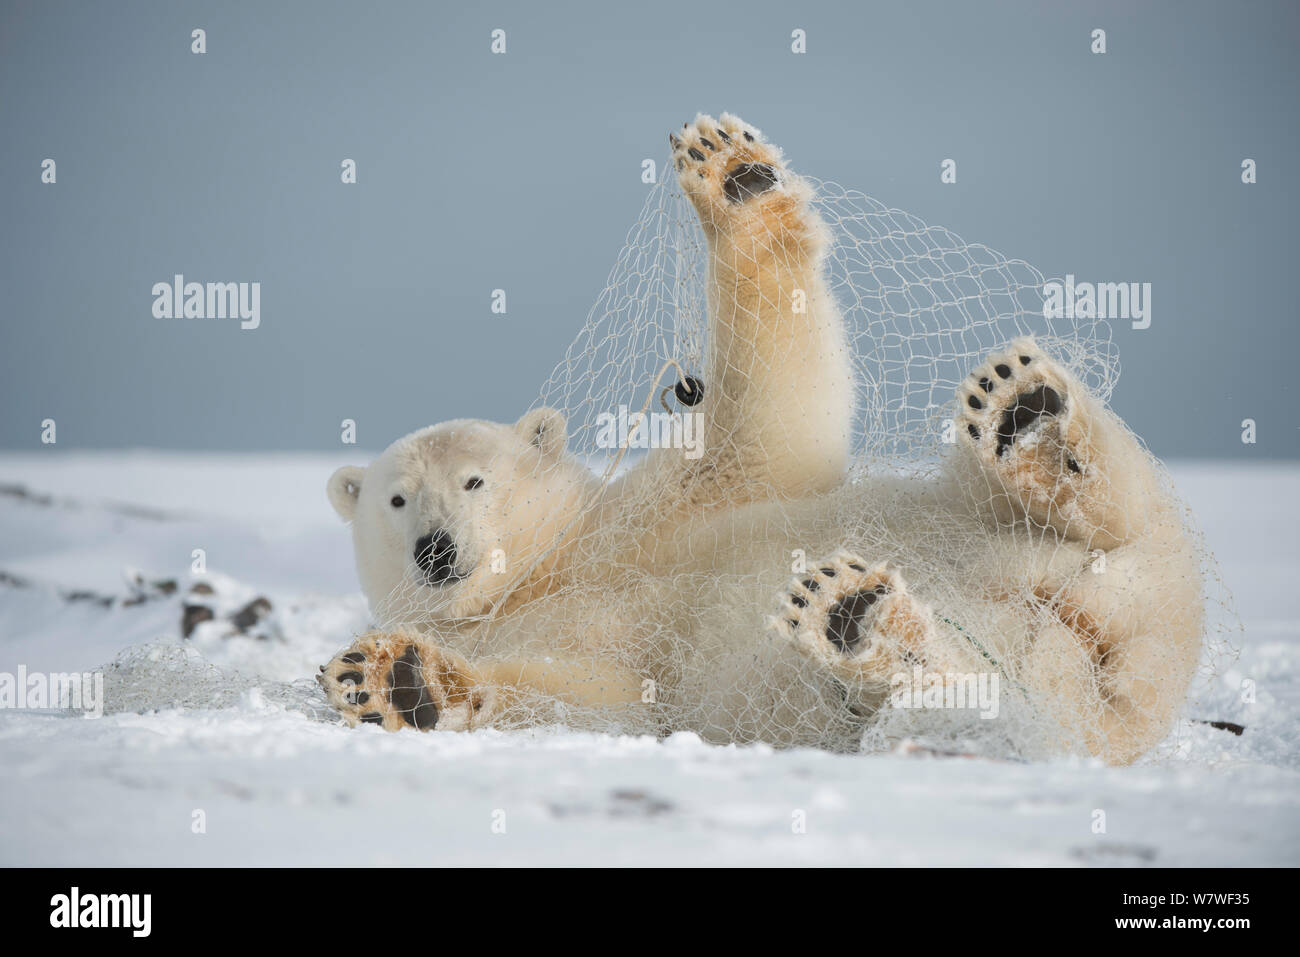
x=277, y=782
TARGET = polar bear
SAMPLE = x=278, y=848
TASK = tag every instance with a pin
x=516, y=586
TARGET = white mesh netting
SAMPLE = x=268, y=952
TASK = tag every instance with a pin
x=868, y=517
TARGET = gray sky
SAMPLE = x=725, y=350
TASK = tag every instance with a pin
x=522, y=172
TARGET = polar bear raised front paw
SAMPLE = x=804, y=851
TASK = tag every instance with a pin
x=725, y=163
x=396, y=681
x=858, y=619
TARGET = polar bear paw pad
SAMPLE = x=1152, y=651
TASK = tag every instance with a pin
x=725, y=161
x=398, y=681
x=1037, y=433
x=1017, y=407
x=858, y=618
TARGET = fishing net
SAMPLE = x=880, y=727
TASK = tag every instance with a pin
x=777, y=490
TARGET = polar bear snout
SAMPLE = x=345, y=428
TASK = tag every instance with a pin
x=435, y=554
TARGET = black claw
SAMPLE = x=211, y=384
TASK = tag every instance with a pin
x=798, y=601
x=372, y=717
x=811, y=584
x=974, y=432
x=973, y=402
x=695, y=154
x=828, y=572
x=1003, y=371
x=856, y=567
x=986, y=385
x=354, y=658
x=354, y=676
x=748, y=137
x=363, y=697
x=706, y=144
x=1024, y=360
x=725, y=137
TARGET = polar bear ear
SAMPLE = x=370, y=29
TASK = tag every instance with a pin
x=546, y=429
x=343, y=488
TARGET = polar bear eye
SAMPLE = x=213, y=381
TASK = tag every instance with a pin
x=397, y=501
x=473, y=483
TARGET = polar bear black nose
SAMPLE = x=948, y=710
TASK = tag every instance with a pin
x=435, y=553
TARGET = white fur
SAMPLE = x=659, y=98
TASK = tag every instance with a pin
x=670, y=574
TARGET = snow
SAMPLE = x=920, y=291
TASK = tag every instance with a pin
x=278, y=782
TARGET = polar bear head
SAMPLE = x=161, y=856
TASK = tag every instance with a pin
x=453, y=518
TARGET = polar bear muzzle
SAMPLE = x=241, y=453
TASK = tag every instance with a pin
x=435, y=554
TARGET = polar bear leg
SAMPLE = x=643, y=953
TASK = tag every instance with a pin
x=1051, y=451
x=399, y=680
x=859, y=620
x=778, y=386
x=1119, y=708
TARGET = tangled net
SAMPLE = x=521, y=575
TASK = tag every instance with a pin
x=921, y=309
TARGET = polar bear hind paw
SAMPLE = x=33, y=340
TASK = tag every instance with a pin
x=724, y=162
x=1014, y=399
x=397, y=681
x=1049, y=446
x=858, y=619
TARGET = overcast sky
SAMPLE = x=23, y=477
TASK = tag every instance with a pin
x=523, y=171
